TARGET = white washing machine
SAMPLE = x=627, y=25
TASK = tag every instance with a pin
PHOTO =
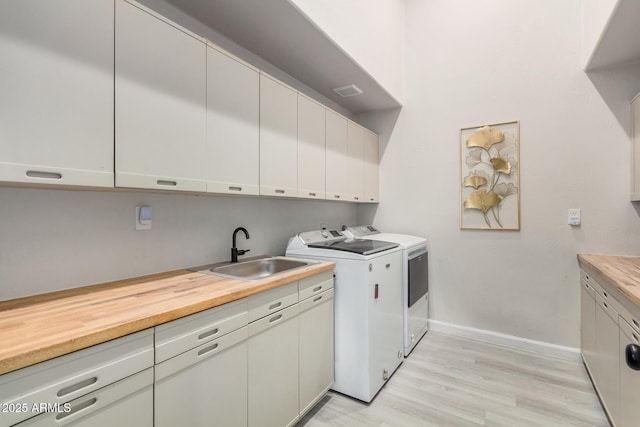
x=415, y=280
x=367, y=307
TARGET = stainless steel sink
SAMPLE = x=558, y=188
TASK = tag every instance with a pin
x=258, y=269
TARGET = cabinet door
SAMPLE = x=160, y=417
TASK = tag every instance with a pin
x=587, y=322
x=160, y=103
x=316, y=348
x=311, y=149
x=273, y=369
x=204, y=386
x=278, y=139
x=371, y=168
x=629, y=379
x=56, y=102
x=233, y=144
x=606, y=366
x=355, y=169
x=336, y=157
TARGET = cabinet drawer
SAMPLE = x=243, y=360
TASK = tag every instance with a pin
x=606, y=292
x=607, y=307
x=273, y=320
x=181, y=335
x=310, y=286
x=67, y=377
x=588, y=288
x=184, y=360
x=316, y=300
x=126, y=402
x=268, y=302
x=630, y=318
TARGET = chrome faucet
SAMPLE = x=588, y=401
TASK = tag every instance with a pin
x=235, y=251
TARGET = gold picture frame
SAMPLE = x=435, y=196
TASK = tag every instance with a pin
x=490, y=177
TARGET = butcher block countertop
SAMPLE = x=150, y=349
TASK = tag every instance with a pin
x=621, y=272
x=41, y=327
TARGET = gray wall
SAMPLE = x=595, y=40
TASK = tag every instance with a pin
x=58, y=239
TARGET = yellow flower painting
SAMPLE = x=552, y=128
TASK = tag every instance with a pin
x=490, y=177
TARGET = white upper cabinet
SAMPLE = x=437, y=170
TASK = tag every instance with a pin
x=371, y=168
x=336, y=156
x=233, y=125
x=278, y=138
x=56, y=86
x=311, y=148
x=160, y=102
x=356, y=140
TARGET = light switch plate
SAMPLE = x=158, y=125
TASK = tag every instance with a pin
x=574, y=217
x=143, y=223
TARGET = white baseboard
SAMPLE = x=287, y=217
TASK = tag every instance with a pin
x=540, y=347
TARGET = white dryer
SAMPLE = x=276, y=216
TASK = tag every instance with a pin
x=367, y=307
x=415, y=280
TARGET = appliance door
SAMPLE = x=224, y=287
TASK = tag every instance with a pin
x=418, y=274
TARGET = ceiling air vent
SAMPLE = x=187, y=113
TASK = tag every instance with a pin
x=350, y=90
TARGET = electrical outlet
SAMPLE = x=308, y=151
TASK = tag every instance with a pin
x=574, y=217
x=143, y=217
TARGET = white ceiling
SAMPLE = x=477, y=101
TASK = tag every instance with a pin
x=276, y=31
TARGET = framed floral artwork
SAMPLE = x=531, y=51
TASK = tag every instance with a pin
x=490, y=177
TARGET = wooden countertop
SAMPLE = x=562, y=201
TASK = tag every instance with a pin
x=41, y=327
x=621, y=272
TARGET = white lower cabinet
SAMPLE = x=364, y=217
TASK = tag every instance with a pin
x=605, y=367
x=629, y=375
x=610, y=329
x=273, y=367
x=83, y=386
x=204, y=384
x=201, y=368
x=128, y=402
x=316, y=339
x=588, y=322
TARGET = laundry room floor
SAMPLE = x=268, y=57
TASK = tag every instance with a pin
x=452, y=381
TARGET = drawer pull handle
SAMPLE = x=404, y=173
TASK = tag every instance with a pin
x=279, y=191
x=635, y=322
x=336, y=196
x=356, y=198
x=77, y=386
x=235, y=188
x=632, y=355
x=207, y=349
x=318, y=298
x=276, y=305
x=275, y=318
x=312, y=194
x=605, y=294
x=317, y=288
x=388, y=265
x=207, y=334
x=44, y=175
x=166, y=183
x=604, y=304
x=77, y=408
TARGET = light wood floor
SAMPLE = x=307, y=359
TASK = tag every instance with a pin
x=450, y=381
